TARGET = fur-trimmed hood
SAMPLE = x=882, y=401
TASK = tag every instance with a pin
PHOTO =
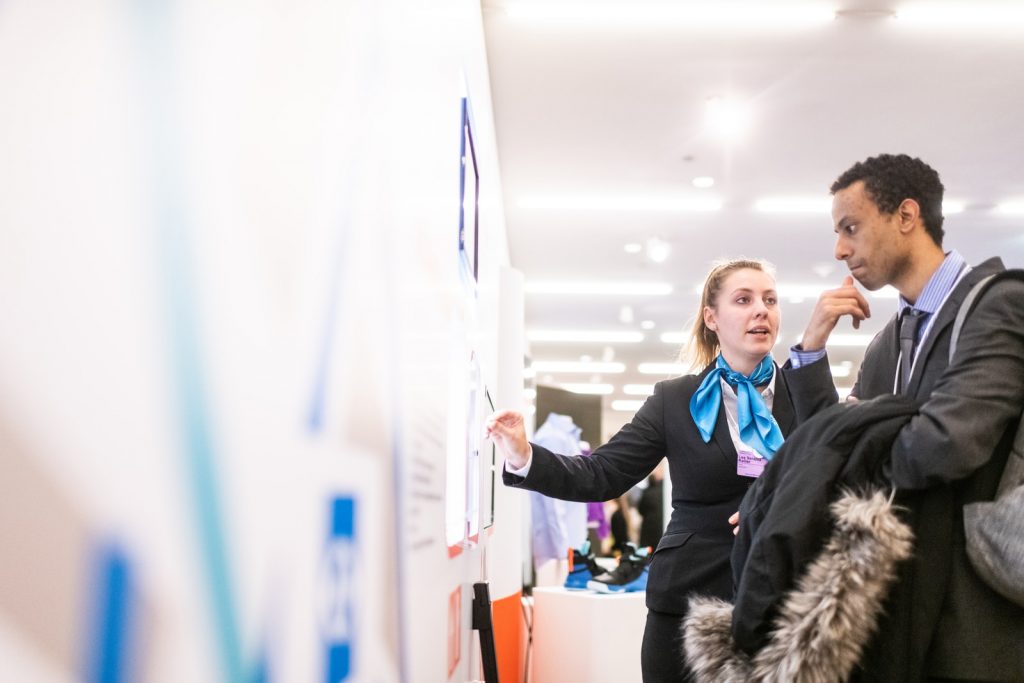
x=825, y=622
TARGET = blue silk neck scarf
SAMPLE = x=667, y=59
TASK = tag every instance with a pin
x=758, y=428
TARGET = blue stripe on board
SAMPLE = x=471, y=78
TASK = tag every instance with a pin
x=111, y=628
x=156, y=43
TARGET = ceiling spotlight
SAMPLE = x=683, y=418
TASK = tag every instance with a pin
x=703, y=181
x=658, y=250
x=726, y=118
x=646, y=324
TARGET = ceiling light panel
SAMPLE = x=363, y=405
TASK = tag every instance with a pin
x=600, y=288
x=853, y=340
x=638, y=389
x=956, y=16
x=819, y=205
x=623, y=203
x=585, y=336
x=577, y=366
x=667, y=369
x=1013, y=207
x=588, y=388
x=627, y=405
x=691, y=15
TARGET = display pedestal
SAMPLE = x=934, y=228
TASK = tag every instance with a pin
x=585, y=637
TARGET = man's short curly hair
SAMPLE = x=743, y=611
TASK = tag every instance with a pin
x=891, y=178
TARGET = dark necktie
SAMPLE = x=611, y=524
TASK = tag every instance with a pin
x=909, y=322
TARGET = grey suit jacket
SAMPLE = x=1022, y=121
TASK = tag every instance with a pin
x=943, y=621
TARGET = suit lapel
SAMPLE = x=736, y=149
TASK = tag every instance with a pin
x=945, y=316
x=720, y=437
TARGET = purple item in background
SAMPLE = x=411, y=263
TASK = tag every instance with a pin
x=595, y=513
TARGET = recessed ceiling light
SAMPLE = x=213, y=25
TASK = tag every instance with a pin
x=633, y=248
x=647, y=324
x=638, y=389
x=703, y=181
x=726, y=117
x=588, y=388
x=623, y=203
x=595, y=336
x=626, y=405
x=658, y=250
x=626, y=314
x=576, y=366
x=675, y=337
x=604, y=288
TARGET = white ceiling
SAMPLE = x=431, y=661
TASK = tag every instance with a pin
x=594, y=103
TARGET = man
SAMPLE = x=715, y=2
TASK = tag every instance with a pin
x=942, y=621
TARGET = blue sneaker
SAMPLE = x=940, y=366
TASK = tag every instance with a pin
x=582, y=568
x=629, y=577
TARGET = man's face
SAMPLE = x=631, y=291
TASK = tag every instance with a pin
x=868, y=240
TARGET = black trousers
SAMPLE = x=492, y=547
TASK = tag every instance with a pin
x=662, y=659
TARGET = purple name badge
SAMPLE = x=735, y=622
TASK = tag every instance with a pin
x=749, y=463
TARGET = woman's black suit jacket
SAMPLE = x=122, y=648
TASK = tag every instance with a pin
x=693, y=555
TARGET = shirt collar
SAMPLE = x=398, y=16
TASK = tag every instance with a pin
x=767, y=392
x=939, y=285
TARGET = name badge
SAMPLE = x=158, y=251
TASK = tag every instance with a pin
x=749, y=463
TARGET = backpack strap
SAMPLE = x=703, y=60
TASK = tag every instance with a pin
x=969, y=301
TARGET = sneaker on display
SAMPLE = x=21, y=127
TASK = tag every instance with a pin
x=582, y=568
x=629, y=577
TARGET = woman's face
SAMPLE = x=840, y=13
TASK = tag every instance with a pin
x=746, y=318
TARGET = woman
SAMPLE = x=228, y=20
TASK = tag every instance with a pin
x=717, y=429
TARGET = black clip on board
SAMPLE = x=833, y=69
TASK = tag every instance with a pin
x=483, y=623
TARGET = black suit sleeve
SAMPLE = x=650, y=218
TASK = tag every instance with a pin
x=811, y=388
x=611, y=470
x=974, y=402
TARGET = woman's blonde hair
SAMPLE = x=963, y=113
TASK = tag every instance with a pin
x=703, y=346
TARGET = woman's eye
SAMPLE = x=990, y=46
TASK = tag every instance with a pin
x=742, y=300
x=771, y=301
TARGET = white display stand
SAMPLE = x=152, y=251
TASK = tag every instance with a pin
x=586, y=637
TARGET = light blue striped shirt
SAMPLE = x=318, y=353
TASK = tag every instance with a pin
x=939, y=285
